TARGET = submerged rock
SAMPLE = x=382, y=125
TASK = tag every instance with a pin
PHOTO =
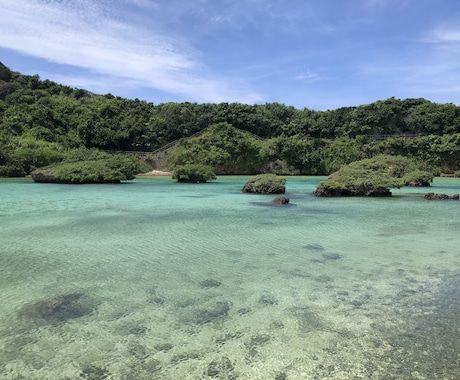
x=58, y=309
x=221, y=368
x=351, y=191
x=268, y=299
x=215, y=312
x=210, y=283
x=95, y=373
x=220, y=309
x=280, y=201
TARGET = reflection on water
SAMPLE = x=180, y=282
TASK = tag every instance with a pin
x=159, y=280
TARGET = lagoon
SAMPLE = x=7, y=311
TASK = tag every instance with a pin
x=153, y=279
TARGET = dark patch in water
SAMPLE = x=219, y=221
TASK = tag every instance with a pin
x=184, y=356
x=314, y=247
x=221, y=368
x=57, y=309
x=227, y=337
x=210, y=283
x=255, y=342
x=332, y=256
x=268, y=299
x=324, y=278
x=243, y=310
x=213, y=313
x=299, y=273
x=269, y=204
x=307, y=319
x=136, y=329
x=94, y=373
x=165, y=347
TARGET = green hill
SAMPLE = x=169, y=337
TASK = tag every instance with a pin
x=41, y=120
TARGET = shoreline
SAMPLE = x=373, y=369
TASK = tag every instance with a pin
x=156, y=173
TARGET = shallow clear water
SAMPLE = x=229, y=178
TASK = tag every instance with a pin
x=158, y=280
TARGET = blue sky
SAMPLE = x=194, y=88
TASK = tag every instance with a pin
x=318, y=54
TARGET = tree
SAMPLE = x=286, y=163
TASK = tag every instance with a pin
x=226, y=149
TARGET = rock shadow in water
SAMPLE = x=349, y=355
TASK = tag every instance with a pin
x=271, y=204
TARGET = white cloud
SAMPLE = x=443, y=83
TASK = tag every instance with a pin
x=444, y=34
x=90, y=35
x=308, y=75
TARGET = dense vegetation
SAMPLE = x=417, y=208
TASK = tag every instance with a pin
x=90, y=166
x=194, y=173
x=221, y=146
x=41, y=120
x=374, y=177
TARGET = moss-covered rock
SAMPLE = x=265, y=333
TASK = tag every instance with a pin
x=373, y=177
x=89, y=166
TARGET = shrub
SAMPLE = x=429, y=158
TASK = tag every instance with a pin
x=102, y=168
x=418, y=178
x=194, y=173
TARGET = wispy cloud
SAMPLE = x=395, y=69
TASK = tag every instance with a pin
x=308, y=75
x=444, y=33
x=90, y=35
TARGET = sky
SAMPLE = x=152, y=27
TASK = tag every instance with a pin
x=315, y=54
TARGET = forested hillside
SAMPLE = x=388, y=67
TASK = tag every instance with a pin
x=41, y=120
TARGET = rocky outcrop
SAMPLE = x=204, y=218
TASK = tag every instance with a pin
x=44, y=175
x=351, y=191
x=418, y=183
x=280, y=201
x=441, y=196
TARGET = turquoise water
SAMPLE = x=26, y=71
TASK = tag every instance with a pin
x=158, y=280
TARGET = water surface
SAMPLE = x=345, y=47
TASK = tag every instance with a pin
x=157, y=280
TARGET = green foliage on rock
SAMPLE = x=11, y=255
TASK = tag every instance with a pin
x=418, y=178
x=372, y=177
x=194, y=173
x=265, y=184
x=268, y=179
x=90, y=166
